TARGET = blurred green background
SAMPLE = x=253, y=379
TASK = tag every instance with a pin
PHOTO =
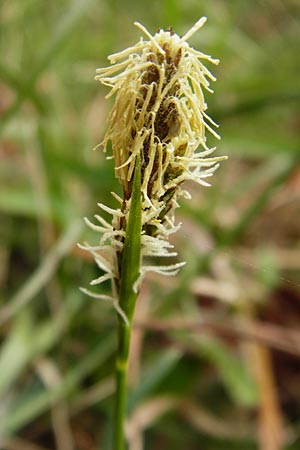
x=216, y=350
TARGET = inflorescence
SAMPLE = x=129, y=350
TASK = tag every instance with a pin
x=159, y=115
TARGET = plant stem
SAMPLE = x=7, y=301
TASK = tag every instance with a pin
x=130, y=270
x=124, y=332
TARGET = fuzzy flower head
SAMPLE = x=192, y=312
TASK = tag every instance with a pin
x=159, y=117
x=160, y=114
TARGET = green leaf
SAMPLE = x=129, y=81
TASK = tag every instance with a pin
x=16, y=351
x=160, y=368
x=23, y=413
x=131, y=258
x=261, y=200
x=234, y=374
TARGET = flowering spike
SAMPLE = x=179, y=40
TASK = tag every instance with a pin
x=159, y=117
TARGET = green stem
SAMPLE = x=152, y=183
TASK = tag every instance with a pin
x=124, y=332
x=130, y=269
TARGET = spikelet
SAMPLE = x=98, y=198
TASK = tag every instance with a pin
x=160, y=115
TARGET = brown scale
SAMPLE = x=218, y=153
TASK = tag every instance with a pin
x=167, y=122
x=149, y=76
x=145, y=153
x=173, y=173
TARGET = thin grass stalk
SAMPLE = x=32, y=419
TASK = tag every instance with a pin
x=130, y=269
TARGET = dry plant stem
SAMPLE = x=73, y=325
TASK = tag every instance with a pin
x=130, y=268
x=270, y=425
x=273, y=336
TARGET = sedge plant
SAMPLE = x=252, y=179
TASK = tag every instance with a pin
x=157, y=130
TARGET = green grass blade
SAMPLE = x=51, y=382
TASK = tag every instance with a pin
x=21, y=415
x=131, y=259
